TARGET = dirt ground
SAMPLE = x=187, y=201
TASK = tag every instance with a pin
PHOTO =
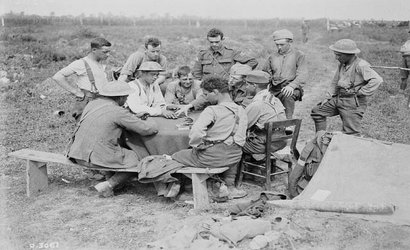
x=68, y=216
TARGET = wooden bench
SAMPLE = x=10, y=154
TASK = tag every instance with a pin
x=37, y=179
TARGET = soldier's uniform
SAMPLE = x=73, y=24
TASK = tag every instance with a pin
x=350, y=87
x=405, y=63
x=219, y=62
x=264, y=107
x=287, y=69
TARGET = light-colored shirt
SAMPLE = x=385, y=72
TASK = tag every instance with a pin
x=289, y=67
x=145, y=99
x=365, y=80
x=217, y=122
x=135, y=60
x=265, y=107
x=175, y=94
x=78, y=70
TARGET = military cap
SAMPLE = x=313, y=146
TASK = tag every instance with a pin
x=116, y=88
x=150, y=66
x=282, y=34
x=405, y=49
x=345, y=46
x=240, y=69
x=258, y=77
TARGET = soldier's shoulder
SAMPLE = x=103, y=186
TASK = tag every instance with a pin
x=363, y=63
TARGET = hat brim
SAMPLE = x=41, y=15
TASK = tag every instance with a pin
x=158, y=70
x=355, y=51
x=118, y=93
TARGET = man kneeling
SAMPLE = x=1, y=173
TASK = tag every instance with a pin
x=95, y=141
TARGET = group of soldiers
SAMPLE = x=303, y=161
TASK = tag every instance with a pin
x=236, y=98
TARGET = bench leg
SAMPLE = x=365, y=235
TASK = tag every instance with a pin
x=200, y=191
x=36, y=176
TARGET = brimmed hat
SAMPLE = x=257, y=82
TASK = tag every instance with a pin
x=240, y=69
x=258, y=77
x=150, y=66
x=116, y=88
x=282, y=34
x=405, y=49
x=345, y=46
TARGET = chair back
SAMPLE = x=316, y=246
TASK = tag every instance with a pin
x=291, y=130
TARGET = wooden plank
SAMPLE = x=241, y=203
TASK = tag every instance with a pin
x=40, y=156
x=36, y=176
x=200, y=192
x=191, y=170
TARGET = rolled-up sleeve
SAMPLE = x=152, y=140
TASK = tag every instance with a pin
x=135, y=124
x=198, y=130
x=132, y=63
x=245, y=59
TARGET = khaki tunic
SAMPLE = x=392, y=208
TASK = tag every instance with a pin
x=101, y=125
x=220, y=62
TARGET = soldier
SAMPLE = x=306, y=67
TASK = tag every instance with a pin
x=218, y=135
x=218, y=59
x=288, y=69
x=150, y=53
x=185, y=92
x=237, y=84
x=147, y=98
x=95, y=142
x=90, y=75
x=405, y=63
x=305, y=31
x=353, y=82
x=265, y=107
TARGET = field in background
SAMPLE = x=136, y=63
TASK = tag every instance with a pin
x=33, y=53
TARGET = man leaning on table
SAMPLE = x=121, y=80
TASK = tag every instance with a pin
x=95, y=141
x=147, y=98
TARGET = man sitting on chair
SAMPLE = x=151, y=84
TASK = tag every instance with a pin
x=265, y=107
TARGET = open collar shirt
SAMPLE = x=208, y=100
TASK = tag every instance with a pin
x=146, y=99
x=288, y=67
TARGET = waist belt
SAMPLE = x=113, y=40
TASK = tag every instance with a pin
x=341, y=92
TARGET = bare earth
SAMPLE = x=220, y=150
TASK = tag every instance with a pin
x=68, y=216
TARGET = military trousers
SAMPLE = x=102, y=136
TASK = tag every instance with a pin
x=350, y=109
x=288, y=102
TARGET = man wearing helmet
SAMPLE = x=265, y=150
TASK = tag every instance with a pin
x=353, y=82
x=288, y=69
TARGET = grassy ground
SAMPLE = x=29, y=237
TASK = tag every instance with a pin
x=68, y=214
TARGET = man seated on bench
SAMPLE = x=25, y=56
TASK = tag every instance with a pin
x=265, y=107
x=95, y=141
x=218, y=134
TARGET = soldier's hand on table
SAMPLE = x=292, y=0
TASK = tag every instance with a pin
x=183, y=110
x=169, y=114
x=287, y=91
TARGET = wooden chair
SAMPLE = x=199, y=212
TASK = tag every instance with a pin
x=292, y=128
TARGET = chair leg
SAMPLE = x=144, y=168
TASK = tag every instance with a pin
x=240, y=173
